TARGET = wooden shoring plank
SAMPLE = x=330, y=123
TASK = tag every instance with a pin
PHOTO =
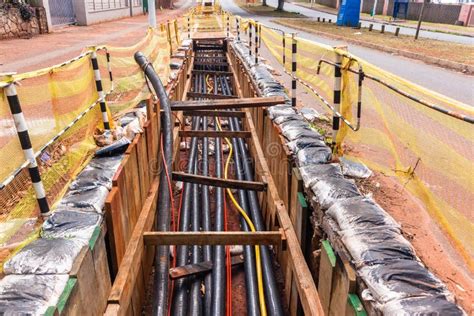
x=326, y=270
x=219, y=182
x=213, y=238
x=210, y=96
x=198, y=268
x=226, y=104
x=343, y=283
x=308, y=294
x=214, y=134
x=114, y=217
x=125, y=282
x=212, y=113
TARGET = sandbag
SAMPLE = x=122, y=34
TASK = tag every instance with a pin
x=422, y=306
x=376, y=245
x=85, y=199
x=44, y=256
x=360, y=213
x=354, y=169
x=328, y=191
x=313, y=155
x=313, y=173
x=30, y=294
x=279, y=110
x=75, y=225
x=401, y=279
x=305, y=142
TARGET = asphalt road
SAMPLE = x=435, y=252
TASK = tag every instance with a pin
x=449, y=83
x=313, y=13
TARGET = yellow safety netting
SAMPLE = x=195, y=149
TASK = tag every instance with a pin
x=430, y=153
x=51, y=99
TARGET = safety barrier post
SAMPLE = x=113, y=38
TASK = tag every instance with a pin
x=168, y=33
x=176, y=31
x=228, y=25
x=284, y=48
x=23, y=135
x=256, y=42
x=336, y=98
x=237, y=23
x=293, y=69
x=109, y=67
x=250, y=38
x=189, y=27
x=260, y=35
x=100, y=90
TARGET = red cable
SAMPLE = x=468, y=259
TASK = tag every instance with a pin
x=165, y=164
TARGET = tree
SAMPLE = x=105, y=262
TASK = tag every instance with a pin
x=280, y=5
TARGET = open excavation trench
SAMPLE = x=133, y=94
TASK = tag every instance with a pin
x=218, y=193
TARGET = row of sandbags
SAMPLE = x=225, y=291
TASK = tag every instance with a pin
x=397, y=282
x=37, y=275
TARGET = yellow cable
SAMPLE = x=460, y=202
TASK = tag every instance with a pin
x=261, y=294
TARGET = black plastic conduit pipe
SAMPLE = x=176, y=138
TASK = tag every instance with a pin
x=206, y=219
x=272, y=294
x=180, y=295
x=253, y=307
x=218, y=298
x=160, y=288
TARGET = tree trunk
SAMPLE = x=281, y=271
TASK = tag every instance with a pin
x=280, y=5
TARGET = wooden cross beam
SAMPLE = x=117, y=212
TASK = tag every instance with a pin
x=219, y=182
x=226, y=104
x=212, y=113
x=215, y=238
x=214, y=134
x=210, y=96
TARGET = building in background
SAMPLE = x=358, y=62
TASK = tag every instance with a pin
x=87, y=12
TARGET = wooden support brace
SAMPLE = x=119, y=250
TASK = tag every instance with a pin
x=214, y=238
x=215, y=113
x=226, y=104
x=210, y=96
x=219, y=182
x=213, y=72
x=226, y=134
x=198, y=268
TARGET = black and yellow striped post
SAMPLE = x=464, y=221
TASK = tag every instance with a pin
x=293, y=69
x=228, y=24
x=283, y=43
x=250, y=38
x=336, y=98
x=100, y=90
x=109, y=67
x=189, y=27
x=256, y=41
x=237, y=25
x=24, y=137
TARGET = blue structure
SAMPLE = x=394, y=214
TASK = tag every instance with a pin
x=400, y=6
x=349, y=13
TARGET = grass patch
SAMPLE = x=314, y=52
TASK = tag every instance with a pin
x=434, y=27
x=258, y=9
x=438, y=49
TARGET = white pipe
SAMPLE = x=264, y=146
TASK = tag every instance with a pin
x=151, y=13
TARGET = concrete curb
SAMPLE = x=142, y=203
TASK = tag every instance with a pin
x=466, y=69
x=388, y=23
